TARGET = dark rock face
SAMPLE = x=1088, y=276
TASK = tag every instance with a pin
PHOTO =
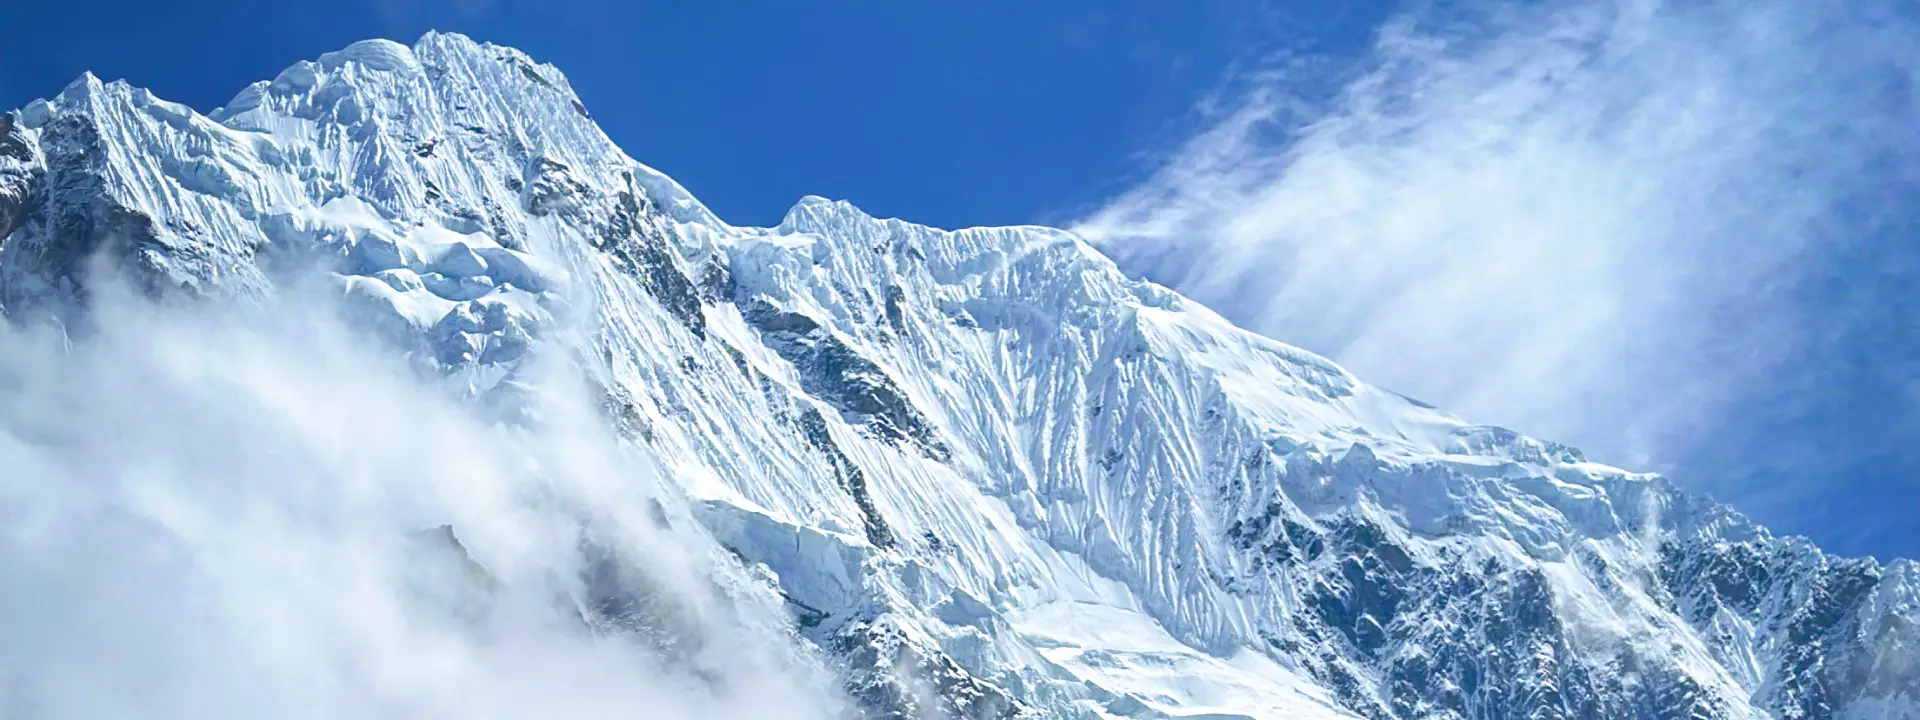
x=74, y=218
x=20, y=175
x=636, y=235
x=1460, y=636
x=1814, y=606
x=813, y=427
x=891, y=679
x=630, y=230
x=1466, y=635
x=833, y=371
x=62, y=219
x=896, y=309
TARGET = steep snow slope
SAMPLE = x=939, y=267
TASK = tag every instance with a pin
x=991, y=475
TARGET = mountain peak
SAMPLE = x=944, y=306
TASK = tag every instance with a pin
x=980, y=466
x=376, y=54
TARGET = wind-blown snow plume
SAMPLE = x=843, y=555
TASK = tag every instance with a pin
x=253, y=514
x=1578, y=219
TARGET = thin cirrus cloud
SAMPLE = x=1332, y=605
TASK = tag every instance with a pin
x=1605, y=222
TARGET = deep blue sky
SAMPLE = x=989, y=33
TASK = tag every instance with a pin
x=1001, y=112
x=952, y=114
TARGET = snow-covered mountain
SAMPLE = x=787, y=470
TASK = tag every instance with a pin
x=990, y=475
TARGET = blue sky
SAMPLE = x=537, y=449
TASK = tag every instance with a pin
x=1676, y=234
x=952, y=113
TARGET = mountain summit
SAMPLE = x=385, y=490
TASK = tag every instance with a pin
x=986, y=473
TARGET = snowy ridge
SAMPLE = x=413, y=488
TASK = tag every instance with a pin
x=993, y=476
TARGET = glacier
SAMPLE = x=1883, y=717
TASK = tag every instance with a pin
x=975, y=473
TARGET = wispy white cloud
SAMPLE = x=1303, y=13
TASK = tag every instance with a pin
x=1578, y=219
x=220, y=515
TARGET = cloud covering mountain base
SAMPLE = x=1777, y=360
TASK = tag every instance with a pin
x=253, y=512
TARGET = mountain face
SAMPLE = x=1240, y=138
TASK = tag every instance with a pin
x=988, y=475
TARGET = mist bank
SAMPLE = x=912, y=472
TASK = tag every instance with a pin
x=225, y=511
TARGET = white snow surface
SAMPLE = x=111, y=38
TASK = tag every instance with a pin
x=989, y=442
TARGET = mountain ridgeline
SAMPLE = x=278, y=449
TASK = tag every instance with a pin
x=989, y=475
